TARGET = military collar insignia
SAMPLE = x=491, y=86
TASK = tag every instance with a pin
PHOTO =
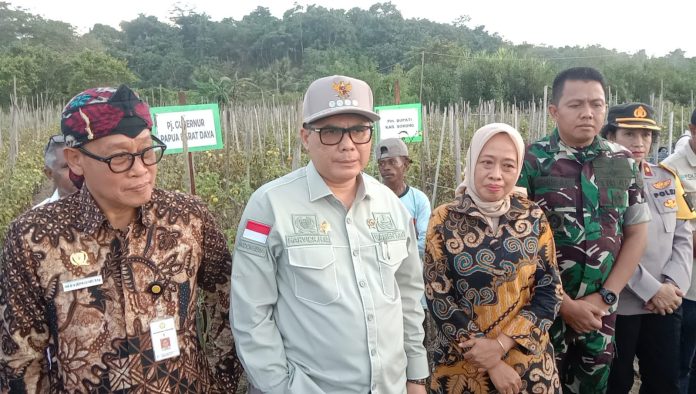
x=647, y=171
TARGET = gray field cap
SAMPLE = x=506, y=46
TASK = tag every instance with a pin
x=336, y=95
x=391, y=147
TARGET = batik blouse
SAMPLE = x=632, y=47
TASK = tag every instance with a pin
x=480, y=283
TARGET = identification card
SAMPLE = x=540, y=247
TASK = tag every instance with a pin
x=81, y=283
x=165, y=343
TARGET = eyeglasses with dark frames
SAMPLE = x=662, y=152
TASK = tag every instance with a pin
x=331, y=135
x=122, y=162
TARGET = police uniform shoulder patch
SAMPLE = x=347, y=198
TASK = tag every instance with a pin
x=671, y=203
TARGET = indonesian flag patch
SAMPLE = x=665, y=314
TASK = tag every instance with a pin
x=255, y=231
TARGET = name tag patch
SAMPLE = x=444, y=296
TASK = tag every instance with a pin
x=82, y=283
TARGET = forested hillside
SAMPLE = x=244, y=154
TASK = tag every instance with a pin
x=263, y=57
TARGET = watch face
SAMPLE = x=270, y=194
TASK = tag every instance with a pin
x=608, y=296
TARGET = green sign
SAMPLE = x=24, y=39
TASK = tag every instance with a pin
x=202, y=122
x=400, y=121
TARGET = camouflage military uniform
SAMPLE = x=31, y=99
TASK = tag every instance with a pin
x=588, y=196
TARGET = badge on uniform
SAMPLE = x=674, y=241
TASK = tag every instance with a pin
x=255, y=231
x=662, y=184
x=165, y=343
x=79, y=259
x=82, y=283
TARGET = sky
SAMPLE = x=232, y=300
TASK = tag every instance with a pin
x=658, y=27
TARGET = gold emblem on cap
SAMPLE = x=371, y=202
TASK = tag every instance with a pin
x=79, y=259
x=640, y=112
x=342, y=89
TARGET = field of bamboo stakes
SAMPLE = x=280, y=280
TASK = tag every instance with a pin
x=261, y=143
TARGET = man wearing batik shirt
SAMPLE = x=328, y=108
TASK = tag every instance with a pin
x=327, y=278
x=591, y=192
x=100, y=289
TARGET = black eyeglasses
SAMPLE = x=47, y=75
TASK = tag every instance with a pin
x=334, y=135
x=122, y=162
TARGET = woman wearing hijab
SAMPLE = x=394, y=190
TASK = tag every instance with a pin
x=491, y=278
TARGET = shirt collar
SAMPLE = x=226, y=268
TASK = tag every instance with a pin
x=464, y=204
x=556, y=144
x=318, y=188
x=91, y=217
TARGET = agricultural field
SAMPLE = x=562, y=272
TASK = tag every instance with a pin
x=261, y=143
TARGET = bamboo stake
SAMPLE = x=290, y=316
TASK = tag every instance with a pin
x=439, y=158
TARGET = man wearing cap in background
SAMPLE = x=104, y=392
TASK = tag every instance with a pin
x=56, y=169
x=327, y=280
x=100, y=288
x=648, y=324
x=683, y=163
x=393, y=162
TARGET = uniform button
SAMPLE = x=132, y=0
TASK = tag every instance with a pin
x=373, y=352
x=363, y=283
x=355, y=253
x=370, y=317
x=348, y=221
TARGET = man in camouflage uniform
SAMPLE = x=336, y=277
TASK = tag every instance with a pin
x=591, y=192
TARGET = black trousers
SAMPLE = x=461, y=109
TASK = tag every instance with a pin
x=654, y=339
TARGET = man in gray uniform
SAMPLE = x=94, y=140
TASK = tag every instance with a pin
x=327, y=278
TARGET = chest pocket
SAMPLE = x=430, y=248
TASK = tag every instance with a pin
x=613, y=178
x=390, y=255
x=314, y=273
x=665, y=199
x=556, y=195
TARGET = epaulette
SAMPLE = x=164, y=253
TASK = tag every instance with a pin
x=684, y=210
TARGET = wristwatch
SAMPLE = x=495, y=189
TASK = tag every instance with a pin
x=608, y=296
